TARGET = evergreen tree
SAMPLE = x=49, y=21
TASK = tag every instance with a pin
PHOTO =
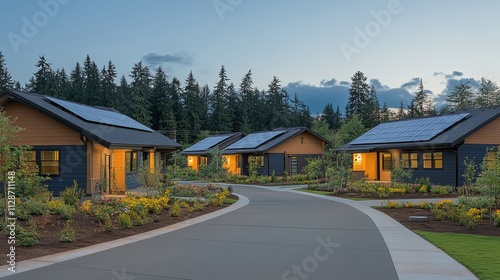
x=421, y=104
x=159, y=94
x=462, y=97
x=205, y=108
x=385, y=113
x=123, y=96
x=6, y=81
x=372, y=113
x=62, y=84
x=246, y=95
x=76, y=84
x=233, y=108
x=43, y=80
x=277, y=105
x=328, y=115
x=401, y=114
x=139, y=94
x=219, y=114
x=91, y=82
x=489, y=94
x=359, y=95
x=193, y=104
x=337, y=122
x=108, y=91
x=175, y=95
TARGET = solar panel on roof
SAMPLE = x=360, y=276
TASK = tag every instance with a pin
x=97, y=115
x=254, y=140
x=208, y=143
x=409, y=130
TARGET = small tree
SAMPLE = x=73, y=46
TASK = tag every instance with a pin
x=399, y=174
x=253, y=168
x=151, y=178
x=469, y=177
x=214, y=169
x=314, y=168
x=339, y=171
x=489, y=179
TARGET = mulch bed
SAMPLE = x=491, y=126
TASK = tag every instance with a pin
x=401, y=215
x=88, y=232
x=396, y=196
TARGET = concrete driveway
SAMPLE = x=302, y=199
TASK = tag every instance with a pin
x=278, y=235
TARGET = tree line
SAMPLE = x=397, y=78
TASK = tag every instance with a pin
x=188, y=111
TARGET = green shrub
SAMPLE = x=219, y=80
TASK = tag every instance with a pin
x=35, y=207
x=102, y=212
x=108, y=224
x=198, y=205
x=175, y=210
x=441, y=190
x=66, y=211
x=68, y=233
x=73, y=194
x=139, y=218
x=125, y=220
x=22, y=212
x=27, y=236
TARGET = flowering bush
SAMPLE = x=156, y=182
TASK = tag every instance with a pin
x=496, y=217
x=425, y=205
x=86, y=206
x=409, y=205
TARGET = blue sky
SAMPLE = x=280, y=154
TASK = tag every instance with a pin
x=313, y=47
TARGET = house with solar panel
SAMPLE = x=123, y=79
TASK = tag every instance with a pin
x=198, y=154
x=432, y=147
x=98, y=147
x=275, y=151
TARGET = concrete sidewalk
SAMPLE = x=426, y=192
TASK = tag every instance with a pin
x=414, y=258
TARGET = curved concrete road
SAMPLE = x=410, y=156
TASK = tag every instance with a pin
x=278, y=235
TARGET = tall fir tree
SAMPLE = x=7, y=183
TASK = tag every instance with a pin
x=401, y=114
x=108, y=89
x=62, y=84
x=359, y=95
x=421, y=104
x=372, y=114
x=385, y=113
x=462, y=97
x=175, y=95
x=277, y=105
x=139, y=94
x=246, y=95
x=159, y=92
x=329, y=115
x=233, y=108
x=205, y=107
x=76, y=84
x=6, y=81
x=192, y=104
x=123, y=95
x=337, y=123
x=91, y=82
x=219, y=114
x=43, y=80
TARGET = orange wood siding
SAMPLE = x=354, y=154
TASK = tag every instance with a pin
x=39, y=129
x=230, y=164
x=192, y=161
x=118, y=169
x=489, y=134
x=304, y=143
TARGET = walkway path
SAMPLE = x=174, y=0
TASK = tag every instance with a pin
x=281, y=234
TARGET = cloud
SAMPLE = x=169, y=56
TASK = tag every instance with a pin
x=451, y=82
x=378, y=85
x=454, y=74
x=328, y=83
x=412, y=83
x=154, y=59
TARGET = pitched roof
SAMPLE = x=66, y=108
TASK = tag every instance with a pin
x=105, y=131
x=429, y=132
x=220, y=141
x=260, y=142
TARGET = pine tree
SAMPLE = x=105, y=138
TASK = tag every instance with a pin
x=123, y=95
x=359, y=95
x=91, y=82
x=193, y=104
x=277, y=105
x=158, y=99
x=246, y=95
x=62, y=84
x=462, y=97
x=175, y=95
x=107, y=88
x=328, y=115
x=6, y=81
x=233, y=108
x=205, y=108
x=338, y=119
x=372, y=114
x=43, y=80
x=385, y=113
x=76, y=84
x=421, y=104
x=489, y=94
x=139, y=94
x=401, y=114
x=219, y=114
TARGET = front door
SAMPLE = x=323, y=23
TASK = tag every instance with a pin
x=385, y=166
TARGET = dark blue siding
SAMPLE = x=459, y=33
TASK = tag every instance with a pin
x=443, y=176
x=73, y=166
x=472, y=151
x=276, y=163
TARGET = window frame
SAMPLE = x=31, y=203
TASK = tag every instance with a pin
x=386, y=162
x=410, y=160
x=131, y=159
x=40, y=162
x=433, y=160
x=260, y=160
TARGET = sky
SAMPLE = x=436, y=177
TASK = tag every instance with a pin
x=313, y=47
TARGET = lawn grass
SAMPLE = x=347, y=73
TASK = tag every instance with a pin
x=314, y=191
x=478, y=253
x=228, y=200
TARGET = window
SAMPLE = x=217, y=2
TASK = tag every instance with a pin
x=31, y=159
x=130, y=162
x=490, y=159
x=203, y=160
x=49, y=162
x=259, y=160
x=410, y=160
x=433, y=160
x=386, y=161
x=294, y=164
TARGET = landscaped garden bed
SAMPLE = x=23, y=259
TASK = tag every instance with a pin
x=49, y=225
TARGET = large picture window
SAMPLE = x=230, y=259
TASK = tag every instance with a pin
x=433, y=160
x=410, y=160
x=49, y=162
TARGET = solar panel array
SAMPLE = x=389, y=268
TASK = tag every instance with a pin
x=422, y=129
x=208, y=143
x=254, y=140
x=97, y=115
